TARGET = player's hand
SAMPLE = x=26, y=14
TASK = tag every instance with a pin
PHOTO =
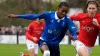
x=72, y=38
x=35, y=39
x=12, y=16
x=95, y=22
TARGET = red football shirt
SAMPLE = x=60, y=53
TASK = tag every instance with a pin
x=88, y=31
x=35, y=29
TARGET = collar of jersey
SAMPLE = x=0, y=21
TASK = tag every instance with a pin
x=56, y=17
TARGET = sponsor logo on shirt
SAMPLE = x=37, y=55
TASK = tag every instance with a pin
x=54, y=31
x=88, y=29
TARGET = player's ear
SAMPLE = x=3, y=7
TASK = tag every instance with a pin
x=58, y=8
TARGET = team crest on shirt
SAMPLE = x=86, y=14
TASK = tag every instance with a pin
x=52, y=21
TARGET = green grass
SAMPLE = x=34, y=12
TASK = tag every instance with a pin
x=14, y=50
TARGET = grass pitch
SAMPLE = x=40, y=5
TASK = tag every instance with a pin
x=15, y=49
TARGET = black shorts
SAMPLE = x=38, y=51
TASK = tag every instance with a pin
x=54, y=49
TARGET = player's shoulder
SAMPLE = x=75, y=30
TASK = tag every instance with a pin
x=48, y=12
x=33, y=22
x=81, y=14
x=98, y=14
x=43, y=23
x=68, y=19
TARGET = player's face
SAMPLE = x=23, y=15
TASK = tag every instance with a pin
x=91, y=10
x=62, y=12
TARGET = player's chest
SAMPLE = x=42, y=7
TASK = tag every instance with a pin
x=88, y=26
x=37, y=28
x=86, y=21
x=56, y=23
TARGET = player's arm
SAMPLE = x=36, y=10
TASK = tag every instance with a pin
x=76, y=17
x=25, y=16
x=30, y=16
x=29, y=35
x=72, y=29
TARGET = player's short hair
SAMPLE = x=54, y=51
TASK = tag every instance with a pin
x=63, y=4
x=92, y=2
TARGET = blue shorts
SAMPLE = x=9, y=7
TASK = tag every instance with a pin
x=54, y=49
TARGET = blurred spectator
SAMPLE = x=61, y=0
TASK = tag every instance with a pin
x=13, y=30
x=0, y=31
x=8, y=31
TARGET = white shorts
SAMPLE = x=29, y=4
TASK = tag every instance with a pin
x=31, y=45
x=78, y=44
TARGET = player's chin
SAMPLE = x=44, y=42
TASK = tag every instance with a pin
x=62, y=16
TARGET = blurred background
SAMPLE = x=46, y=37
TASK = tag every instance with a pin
x=12, y=31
